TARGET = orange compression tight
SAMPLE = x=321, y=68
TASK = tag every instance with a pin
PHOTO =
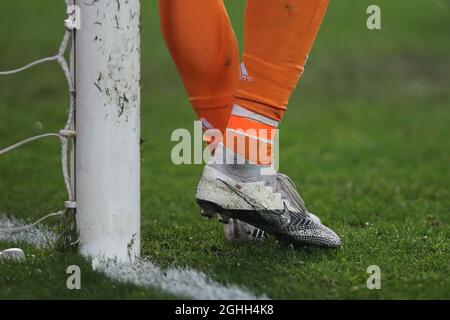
x=279, y=35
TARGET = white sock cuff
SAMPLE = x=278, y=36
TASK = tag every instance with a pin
x=242, y=112
x=225, y=156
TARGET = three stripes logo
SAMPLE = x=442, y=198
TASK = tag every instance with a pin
x=244, y=74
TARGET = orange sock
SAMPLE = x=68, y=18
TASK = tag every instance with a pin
x=278, y=38
x=202, y=43
x=251, y=137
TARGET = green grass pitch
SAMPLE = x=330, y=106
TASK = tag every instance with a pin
x=366, y=138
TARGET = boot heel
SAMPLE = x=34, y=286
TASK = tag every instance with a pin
x=211, y=211
x=223, y=218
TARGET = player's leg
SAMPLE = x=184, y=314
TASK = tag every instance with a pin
x=278, y=38
x=202, y=43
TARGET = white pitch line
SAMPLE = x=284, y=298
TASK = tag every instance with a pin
x=180, y=281
x=41, y=237
x=185, y=282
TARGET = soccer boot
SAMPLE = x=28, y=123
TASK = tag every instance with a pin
x=236, y=230
x=267, y=202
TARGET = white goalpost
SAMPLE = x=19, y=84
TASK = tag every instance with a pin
x=106, y=157
x=102, y=129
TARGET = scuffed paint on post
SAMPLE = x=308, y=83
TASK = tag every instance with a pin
x=107, y=72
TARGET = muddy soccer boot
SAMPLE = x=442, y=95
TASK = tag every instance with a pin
x=269, y=202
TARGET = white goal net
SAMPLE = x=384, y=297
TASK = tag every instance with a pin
x=65, y=135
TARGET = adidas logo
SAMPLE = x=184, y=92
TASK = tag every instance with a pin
x=244, y=73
